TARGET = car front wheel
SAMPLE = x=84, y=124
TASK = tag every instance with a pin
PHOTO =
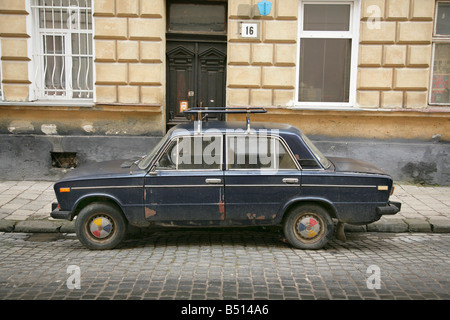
x=308, y=227
x=100, y=226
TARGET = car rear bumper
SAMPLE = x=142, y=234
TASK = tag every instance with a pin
x=391, y=208
x=58, y=214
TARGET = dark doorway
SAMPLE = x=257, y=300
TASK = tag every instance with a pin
x=196, y=51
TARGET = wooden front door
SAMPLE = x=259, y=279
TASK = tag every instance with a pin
x=195, y=76
x=196, y=54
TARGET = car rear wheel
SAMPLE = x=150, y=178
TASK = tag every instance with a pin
x=308, y=227
x=100, y=226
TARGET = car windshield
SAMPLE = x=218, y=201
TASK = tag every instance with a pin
x=144, y=163
x=320, y=157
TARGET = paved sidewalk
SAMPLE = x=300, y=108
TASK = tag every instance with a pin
x=25, y=206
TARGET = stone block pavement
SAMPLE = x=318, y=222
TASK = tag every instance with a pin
x=25, y=206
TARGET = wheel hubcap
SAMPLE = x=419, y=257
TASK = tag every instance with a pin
x=101, y=227
x=308, y=227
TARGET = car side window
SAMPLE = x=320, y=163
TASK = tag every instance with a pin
x=258, y=152
x=192, y=153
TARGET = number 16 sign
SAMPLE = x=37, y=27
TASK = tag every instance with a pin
x=249, y=30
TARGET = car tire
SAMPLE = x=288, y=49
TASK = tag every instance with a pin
x=100, y=226
x=308, y=227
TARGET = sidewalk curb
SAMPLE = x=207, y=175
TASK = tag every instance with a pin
x=37, y=226
x=398, y=225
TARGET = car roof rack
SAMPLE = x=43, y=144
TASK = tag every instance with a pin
x=202, y=113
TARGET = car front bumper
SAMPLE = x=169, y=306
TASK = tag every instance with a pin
x=58, y=214
x=391, y=208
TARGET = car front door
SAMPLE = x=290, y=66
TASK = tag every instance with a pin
x=187, y=182
x=261, y=176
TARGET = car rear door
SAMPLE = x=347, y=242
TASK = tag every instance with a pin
x=261, y=175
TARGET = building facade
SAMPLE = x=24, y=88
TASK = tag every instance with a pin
x=90, y=80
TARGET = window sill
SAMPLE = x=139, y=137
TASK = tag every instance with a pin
x=427, y=109
x=49, y=103
x=64, y=105
x=327, y=108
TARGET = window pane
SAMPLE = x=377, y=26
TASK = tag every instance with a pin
x=65, y=18
x=199, y=153
x=197, y=17
x=53, y=18
x=168, y=160
x=326, y=17
x=441, y=74
x=82, y=83
x=82, y=77
x=325, y=70
x=193, y=153
x=443, y=19
x=54, y=67
x=308, y=164
x=284, y=158
x=258, y=152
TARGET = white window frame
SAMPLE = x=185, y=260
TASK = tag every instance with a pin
x=436, y=39
x=38, y=91
x=2, y=95
x=353, y=34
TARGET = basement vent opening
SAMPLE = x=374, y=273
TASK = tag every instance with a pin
x=64, y=160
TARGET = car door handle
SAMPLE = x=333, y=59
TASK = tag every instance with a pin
x=290, y=180
x=213, y=181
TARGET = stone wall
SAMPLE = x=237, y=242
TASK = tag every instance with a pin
x=262, y=72
x=129, y=51
x=15, y=44
x=395, y=53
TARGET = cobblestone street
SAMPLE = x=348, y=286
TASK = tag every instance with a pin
x=244, y=264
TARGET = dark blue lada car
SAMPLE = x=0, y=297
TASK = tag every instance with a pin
x=225, y=174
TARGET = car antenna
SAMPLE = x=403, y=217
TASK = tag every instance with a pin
x=199, y=111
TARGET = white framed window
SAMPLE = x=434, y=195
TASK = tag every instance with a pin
x=327, y=53
x=440, y=75
x=2, y=96
x=62, y=49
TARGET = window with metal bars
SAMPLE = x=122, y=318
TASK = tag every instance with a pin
x=62, y=49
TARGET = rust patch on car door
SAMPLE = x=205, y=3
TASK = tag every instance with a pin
x=149, y=213
x=252, y=216
x=222, y=206
x=222, y=209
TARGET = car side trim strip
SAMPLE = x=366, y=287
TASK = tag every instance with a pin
x=183, y=186
x=190, y=186
x=229, y=185
x=263, y=185
x=221, y=185
x=339, y=185
x=105, y=187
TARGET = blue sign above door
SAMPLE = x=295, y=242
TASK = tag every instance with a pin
x=264, y=7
